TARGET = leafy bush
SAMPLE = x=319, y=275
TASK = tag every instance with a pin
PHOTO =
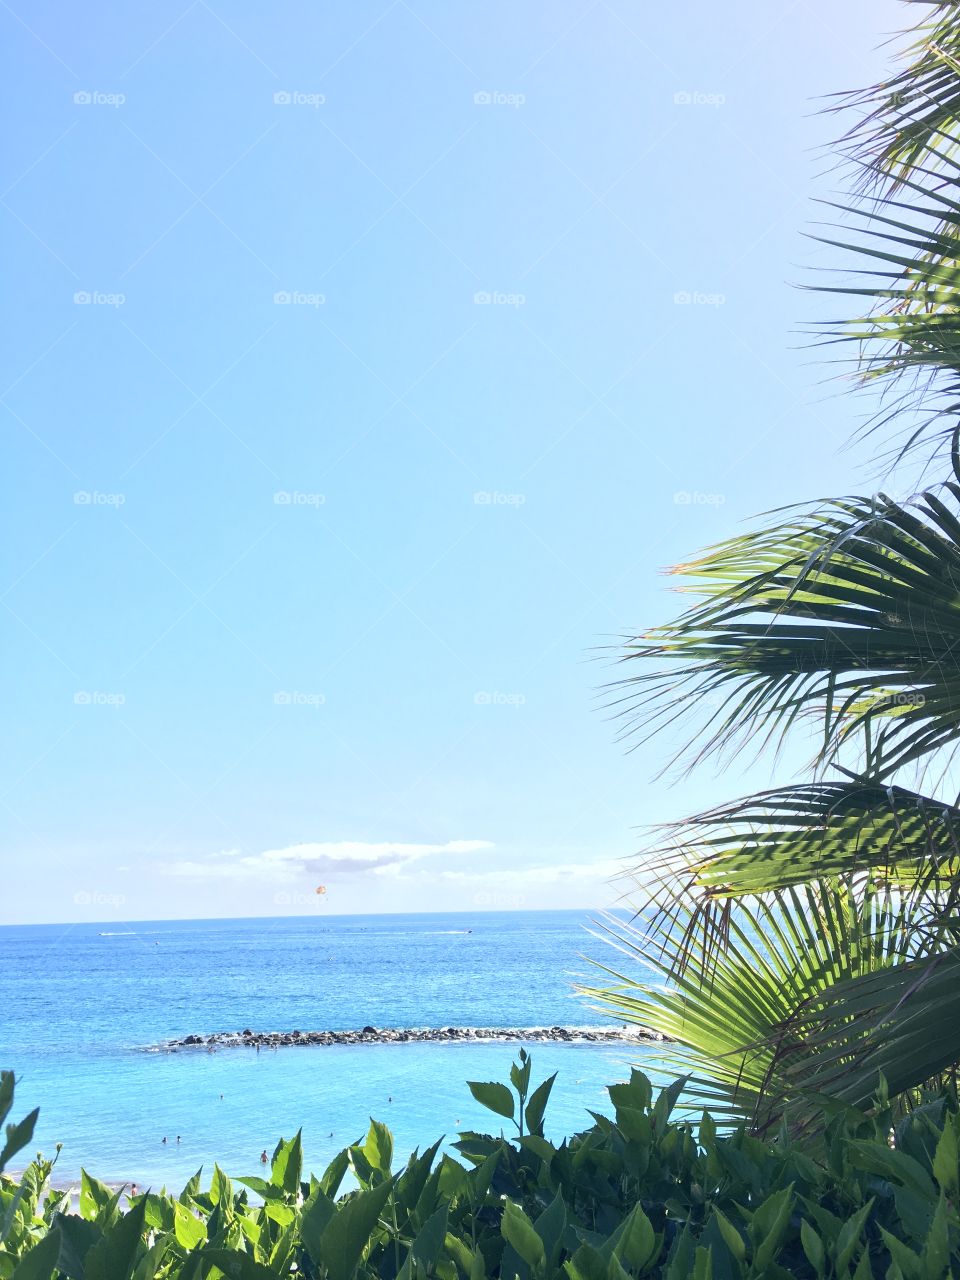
x=638, y=1195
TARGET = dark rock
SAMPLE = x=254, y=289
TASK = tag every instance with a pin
x=418, y=1035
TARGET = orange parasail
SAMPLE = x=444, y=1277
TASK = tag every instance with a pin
x=321, y=888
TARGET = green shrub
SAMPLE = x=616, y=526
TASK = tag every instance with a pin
x=636, y=1195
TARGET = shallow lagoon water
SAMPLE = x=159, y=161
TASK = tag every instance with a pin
x=83, y=1005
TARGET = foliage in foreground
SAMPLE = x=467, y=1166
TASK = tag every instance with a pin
x=639, y=1195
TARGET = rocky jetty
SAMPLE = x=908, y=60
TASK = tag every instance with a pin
x=405, y=1035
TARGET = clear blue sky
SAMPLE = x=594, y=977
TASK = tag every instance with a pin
x=216, y=699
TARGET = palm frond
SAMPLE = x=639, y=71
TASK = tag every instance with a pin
x=902, y=222
x=786, y=837
x=850, y=612
x=733, y=1035
x=915, y=112
x=902, y=1023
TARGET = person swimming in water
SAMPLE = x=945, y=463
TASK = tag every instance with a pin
x=263, y=1157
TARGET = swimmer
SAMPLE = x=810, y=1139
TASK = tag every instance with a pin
x=263, y=1157
x=164, y=1140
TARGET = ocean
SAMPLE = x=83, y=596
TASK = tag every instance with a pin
x=85, y=1009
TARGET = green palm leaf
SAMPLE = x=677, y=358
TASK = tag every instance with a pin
x=787, y=836
x=851, y=611
x=905, y=149
x=915, y=112
x=734, y=1034
x=902, y=1024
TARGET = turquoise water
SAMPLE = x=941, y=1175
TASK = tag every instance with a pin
x=85, y=1007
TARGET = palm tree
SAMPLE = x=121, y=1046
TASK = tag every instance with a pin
x=733, y=1031
x=809, y=935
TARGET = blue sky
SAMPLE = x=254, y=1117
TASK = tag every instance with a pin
x=365, y=364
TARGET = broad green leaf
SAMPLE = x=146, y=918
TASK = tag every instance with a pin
x=483, y=1175
x=18, y=1135
x=851, y=1235
x=537, y=1105
x=221, y=1188
x=638, y=1240
x=812, y=1246
x=378, y=1147
x=947, y=1158
x=317, y=1213
x=40, y=1262
x=192, y=1188
x=237, y=1265
x=188, y=1228
x=287, y=1163
x=587, y=1264
x=94, y=1196
x=114, y=1256
x=551, y=1224
x=936, y=1254
x=334, y=1173
x=428, y=1244
x=731, y=1236
x=348, y=1232
x=493, y=1096
x=519, y=1231
x=615, y=1269
x=77, y=1237
x=910, y=1263
x=520, y=1075
x=768, y=1225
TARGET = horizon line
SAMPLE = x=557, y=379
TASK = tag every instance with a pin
x=483, y=911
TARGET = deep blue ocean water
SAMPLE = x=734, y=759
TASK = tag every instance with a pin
x=82, y=1004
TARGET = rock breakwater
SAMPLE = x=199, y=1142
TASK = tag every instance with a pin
x=250, y=1039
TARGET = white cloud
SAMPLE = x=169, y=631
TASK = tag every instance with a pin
x=317, y=857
